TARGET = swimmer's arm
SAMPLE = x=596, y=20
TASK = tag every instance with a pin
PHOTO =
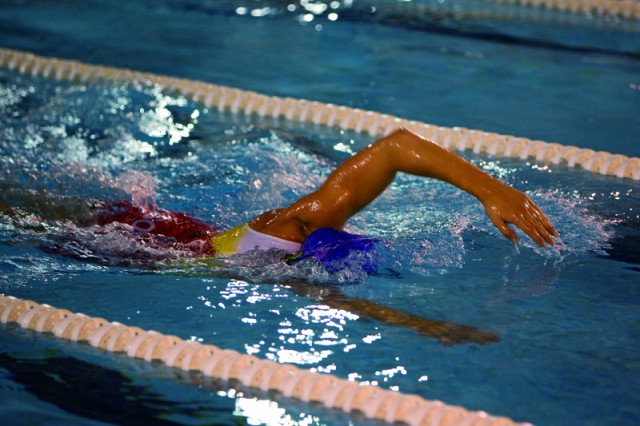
x=447, y=332
x=361, y=178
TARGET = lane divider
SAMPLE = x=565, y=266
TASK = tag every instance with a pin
x=239, y=101
x=248, y=370
x=623, y=10
x=629, y=9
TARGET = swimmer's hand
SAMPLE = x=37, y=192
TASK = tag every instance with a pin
x=506, y=205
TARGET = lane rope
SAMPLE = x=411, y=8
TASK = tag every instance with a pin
x=628, y=9
x=248, y=370
x=239, y=101
x=622, y=10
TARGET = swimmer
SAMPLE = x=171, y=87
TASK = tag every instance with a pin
x=312, y=226
x=315, y=221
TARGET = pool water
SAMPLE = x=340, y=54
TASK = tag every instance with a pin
x=567, y=318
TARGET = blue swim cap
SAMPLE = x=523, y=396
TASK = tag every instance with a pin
x=336, y=250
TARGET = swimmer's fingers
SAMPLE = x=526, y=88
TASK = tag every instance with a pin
x=544, y=222
x=534, y=230
x=525, y=215
x=541, y=224
x=528, y=229
x=536, y=224
x=502, y=226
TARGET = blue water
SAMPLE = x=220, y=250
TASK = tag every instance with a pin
x=567, y=318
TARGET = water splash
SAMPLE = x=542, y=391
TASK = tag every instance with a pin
x=140, y=187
